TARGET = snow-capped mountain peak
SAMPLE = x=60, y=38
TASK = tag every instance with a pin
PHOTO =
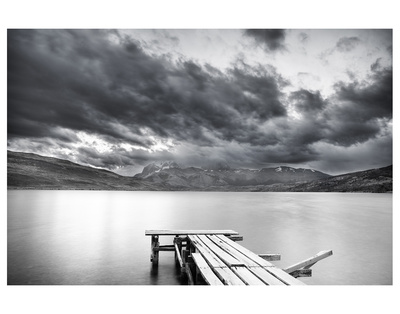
x=157, y=167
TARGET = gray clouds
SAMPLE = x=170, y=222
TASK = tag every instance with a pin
x=346, y=44
x=66, y=84
x=81, y=81
x=268, y=39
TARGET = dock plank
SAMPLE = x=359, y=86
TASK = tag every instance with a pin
x=253, y=256
x=266, y=277
x=271, y=268
x=247, y=276
x=205, y=270
x=189, y=232
x=237, y=254
x=228, y=277
x=219, y=267
x=223, y=255
x=284, y=276
x=211, y=258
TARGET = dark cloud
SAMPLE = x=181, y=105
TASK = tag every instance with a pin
x=307, y=101
x=358, y=112
x=376, y=65
x=368, y=100
x=358, y=109
x=84, y=81
x=269, y=39
x=62, y=83
x=346, y=44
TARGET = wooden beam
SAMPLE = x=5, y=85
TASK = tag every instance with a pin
x=189, y=274
x=154, y=250
x=178, y=256
x=235, y=237
x=270, y=257
x=301, y=273
x=178, y=242
x=188, y=232
x=308, y=261
x=165, y=248
x=309, y=266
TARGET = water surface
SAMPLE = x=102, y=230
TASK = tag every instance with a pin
x=97, y=237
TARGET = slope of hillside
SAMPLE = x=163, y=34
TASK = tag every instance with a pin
x=30, y=171
x=375, y=181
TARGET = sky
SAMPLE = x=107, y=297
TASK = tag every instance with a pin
x=120, y=99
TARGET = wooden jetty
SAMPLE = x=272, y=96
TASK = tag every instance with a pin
x=213, y=257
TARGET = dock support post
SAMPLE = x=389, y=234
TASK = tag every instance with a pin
x=178, y=247
x=154, y=249
x=189, y=275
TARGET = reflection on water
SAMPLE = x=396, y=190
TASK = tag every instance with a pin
x=97, y=237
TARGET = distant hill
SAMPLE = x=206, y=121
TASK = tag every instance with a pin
x=196, y=178
x=31, y=171
x=375, y=181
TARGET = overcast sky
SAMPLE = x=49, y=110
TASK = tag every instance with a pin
x=120, y=99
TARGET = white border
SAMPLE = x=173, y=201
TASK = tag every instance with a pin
x=193, y=14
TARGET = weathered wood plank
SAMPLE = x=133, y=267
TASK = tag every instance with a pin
x=283, y=276
x=223, y=255
x=308, y=261
x=247, y=276
x=219, y=267
x=228, y=277
x=205, y=270
x=237, y=254
x=270, y=257
x=253, y=256
x=189, y=232
x=235, y=237
x=309, y=266
x=301, y=273
x=266, y=277
x=211, y=258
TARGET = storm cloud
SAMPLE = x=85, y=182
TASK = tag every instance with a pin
x=118, y=91
x=102, y=98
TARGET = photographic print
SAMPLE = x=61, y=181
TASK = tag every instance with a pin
x=199, y=156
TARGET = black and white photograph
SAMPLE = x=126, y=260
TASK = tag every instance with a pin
x=144, y=157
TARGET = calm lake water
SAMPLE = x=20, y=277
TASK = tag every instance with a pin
x=97, y=237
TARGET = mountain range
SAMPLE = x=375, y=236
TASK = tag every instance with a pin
x=31, y=171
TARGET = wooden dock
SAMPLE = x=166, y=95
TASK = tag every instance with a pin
x=213, y=257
